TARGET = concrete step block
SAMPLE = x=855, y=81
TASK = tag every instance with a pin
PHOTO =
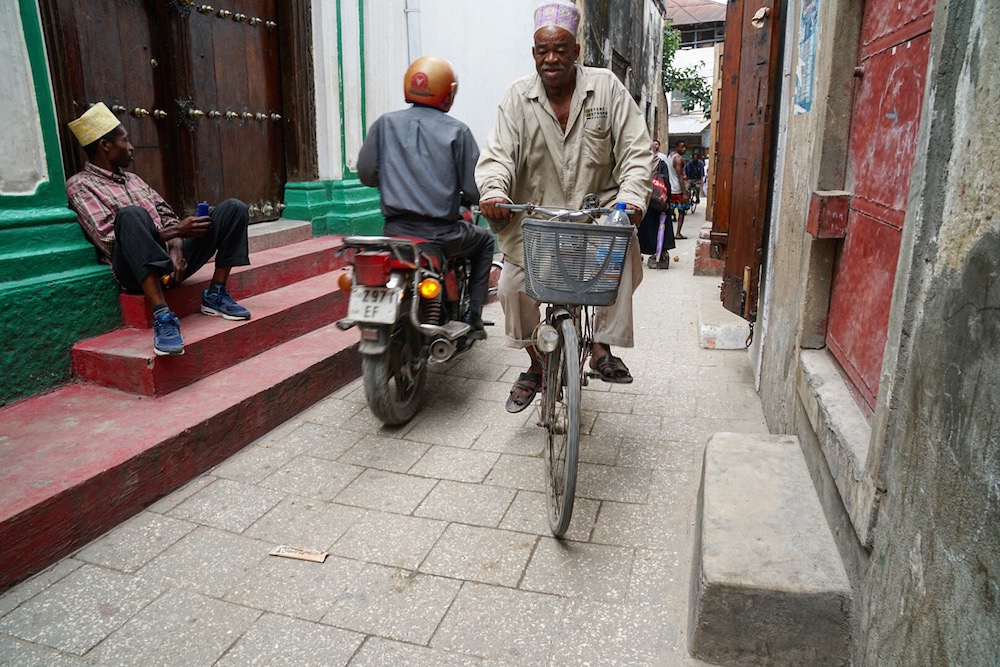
x=124, y=358
x=80, y=459
x=707, y=261
x=719, y=329
x=276, y=233
x=768, y=586
x=269, y=269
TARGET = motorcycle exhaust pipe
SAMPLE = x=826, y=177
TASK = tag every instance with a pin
x=442, y=349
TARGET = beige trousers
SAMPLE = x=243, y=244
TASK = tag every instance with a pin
x=612, y=324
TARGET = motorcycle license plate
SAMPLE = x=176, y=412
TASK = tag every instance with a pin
x=379, y=305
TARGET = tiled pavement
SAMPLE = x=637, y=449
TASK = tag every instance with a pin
x=439, y=549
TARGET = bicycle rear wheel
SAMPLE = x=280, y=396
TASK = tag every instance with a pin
x=561, y=416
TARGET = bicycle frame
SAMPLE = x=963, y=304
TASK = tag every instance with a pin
x=565, y=371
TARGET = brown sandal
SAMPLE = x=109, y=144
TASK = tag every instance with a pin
x=612, y=369
x=523, y=393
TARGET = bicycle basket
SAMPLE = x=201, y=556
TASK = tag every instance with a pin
x=571, y=263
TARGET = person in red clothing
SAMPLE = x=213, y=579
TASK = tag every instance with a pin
x=139, y=235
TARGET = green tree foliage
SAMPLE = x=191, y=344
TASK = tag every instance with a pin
x=685, y=80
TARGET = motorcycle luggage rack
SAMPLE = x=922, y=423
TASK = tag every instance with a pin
x=450, y=330
x=434, y=258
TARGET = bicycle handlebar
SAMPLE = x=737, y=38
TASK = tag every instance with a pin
x=558, y=214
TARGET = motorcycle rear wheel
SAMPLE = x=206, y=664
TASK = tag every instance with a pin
x=394, y=380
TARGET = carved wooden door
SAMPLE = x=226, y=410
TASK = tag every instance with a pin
x=230, y=103
x=107, y=52
x=198, y=87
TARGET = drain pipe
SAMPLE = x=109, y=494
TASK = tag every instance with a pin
x=412, y=11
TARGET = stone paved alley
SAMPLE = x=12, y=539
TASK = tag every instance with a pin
x=439, y=549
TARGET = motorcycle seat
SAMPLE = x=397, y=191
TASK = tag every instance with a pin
x=432, y=255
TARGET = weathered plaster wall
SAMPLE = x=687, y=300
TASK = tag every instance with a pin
x=621, y=27
x=933, y=591
x=928, y=590
x=811, y=158
x=22, y=158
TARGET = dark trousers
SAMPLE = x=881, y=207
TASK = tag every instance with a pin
x=139, y=251
x=456, y=239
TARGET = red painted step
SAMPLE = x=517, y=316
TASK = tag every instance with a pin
x=269, y=269
x=124, y=358
x=79, y=460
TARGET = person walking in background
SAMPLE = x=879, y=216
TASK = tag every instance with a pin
x=656, y=233
x=656, y=151
x=678, y=184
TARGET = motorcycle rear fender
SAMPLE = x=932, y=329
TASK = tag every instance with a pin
x=374, y=339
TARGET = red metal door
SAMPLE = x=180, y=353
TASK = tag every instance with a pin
x=884, y=124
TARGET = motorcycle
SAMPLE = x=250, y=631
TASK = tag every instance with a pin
x=407, y=299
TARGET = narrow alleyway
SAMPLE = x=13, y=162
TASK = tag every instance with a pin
x=439, y=548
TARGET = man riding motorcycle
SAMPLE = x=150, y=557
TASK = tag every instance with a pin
x=423, y=162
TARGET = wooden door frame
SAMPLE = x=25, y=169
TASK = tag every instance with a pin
x=740, y=288
x=297, y=90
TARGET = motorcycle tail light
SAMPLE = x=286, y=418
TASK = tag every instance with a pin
x=345, y=282
x=429, y=288
x=371, y=268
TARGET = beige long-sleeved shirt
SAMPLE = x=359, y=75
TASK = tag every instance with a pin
x=605, y=150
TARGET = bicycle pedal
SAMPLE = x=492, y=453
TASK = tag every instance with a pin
x=488, y=323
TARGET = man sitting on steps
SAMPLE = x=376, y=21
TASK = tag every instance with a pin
x=141, y=237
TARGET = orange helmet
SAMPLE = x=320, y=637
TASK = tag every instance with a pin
x=431, y=81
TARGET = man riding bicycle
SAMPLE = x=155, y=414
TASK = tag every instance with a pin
x=694, y=170
x=561, y=133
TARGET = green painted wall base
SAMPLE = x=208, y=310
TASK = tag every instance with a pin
x=53, y=293
x=335, y=207
x=43, y=317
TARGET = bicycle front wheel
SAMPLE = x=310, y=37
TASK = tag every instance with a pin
x=561, y=407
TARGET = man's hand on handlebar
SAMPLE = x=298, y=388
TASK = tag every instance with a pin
x=490, y=209
x=634, y=214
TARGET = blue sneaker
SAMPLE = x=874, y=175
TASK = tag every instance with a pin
x=167, y=341
x=222, y=304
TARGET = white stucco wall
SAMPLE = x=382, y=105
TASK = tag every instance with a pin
x=22, y=157
x=488, y=42
x=463, y=31
x=327, y=80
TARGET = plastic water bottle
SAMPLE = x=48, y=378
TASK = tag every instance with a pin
x=618, y=217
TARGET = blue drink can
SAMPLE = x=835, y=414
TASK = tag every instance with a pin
x=202, y=209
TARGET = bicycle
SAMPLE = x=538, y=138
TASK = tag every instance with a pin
x=694, y=195
x=571, y=267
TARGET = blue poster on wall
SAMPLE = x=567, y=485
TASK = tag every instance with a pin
x=806, y=65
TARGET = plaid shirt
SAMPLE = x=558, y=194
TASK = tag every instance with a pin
x=97, y=195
